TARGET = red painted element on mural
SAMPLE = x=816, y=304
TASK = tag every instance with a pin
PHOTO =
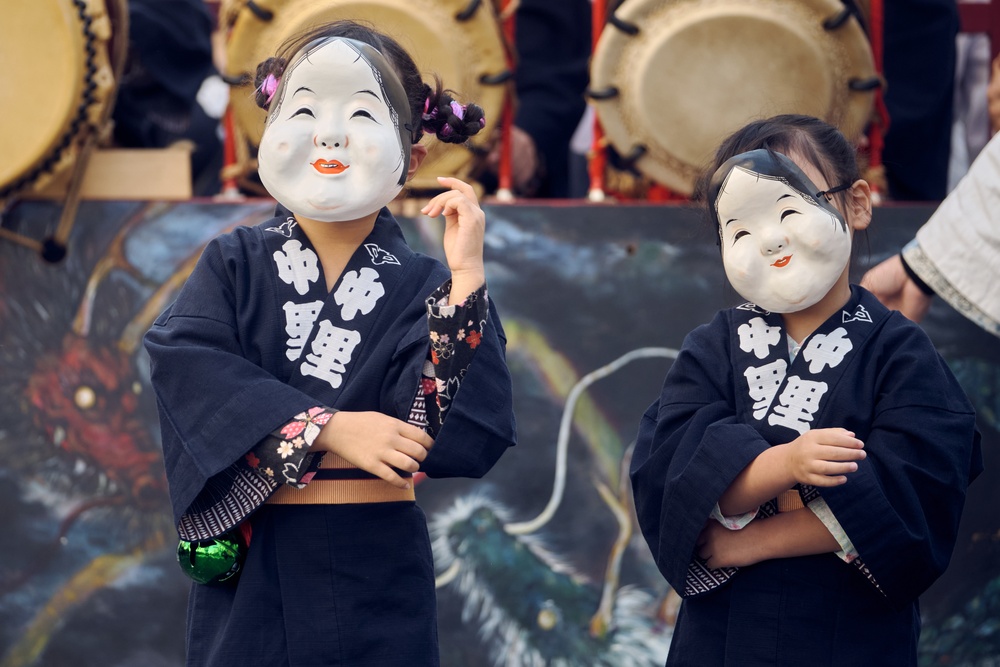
x=85, y=400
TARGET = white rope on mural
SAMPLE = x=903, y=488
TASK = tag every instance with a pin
x=565, y=428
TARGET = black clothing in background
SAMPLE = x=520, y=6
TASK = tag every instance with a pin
x=552, y=40
x=919, y=67
x=170, y=55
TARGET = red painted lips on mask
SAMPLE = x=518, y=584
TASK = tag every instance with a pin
x=329, y=166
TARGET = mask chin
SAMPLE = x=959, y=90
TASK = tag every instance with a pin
x=775, y=302
x=778, y=305
x=352, y=210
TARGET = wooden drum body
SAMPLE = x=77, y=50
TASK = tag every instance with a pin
x=58, y=85
x=458, y=40
x=671, y=78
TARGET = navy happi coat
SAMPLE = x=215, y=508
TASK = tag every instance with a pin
x=731, y=394
x=255, y=339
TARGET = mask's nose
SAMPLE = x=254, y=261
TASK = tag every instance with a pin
x=773, y=243
x=330, y=139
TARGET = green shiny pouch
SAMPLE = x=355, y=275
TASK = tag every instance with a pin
x=213, y=562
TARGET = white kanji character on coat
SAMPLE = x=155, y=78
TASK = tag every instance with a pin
x=827, y=349
x=297, y=266
x=358, y=291
x=299, y=318
x=764, y=382
x=331, y=352
x=797, y=404
x=757, y=337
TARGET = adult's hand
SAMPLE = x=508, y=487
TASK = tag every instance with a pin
x=524, y=161
x=890, y=285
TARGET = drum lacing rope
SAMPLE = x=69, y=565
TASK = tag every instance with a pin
x=611, y=91
x=864, y=85
x=605, y=94
x=469, y=11
x=264, y=15
x=877, y=84
x=496, y=79
x=78, y=120
x=634, y=155
x=838, y=21
x=53, y=248
x=630, y=29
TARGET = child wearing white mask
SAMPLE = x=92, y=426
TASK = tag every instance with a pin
x=312, y=364
x=801, y=478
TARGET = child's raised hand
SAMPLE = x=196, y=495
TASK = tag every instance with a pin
x=376, y=443
x=465, y=226
x=824, y=456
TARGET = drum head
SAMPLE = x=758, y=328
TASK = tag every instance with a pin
x=461, y=52
x=58, y=79
x=694, y=71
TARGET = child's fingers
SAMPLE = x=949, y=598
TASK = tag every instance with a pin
x=415, y=434
x=446, y=202
x=435, y=203
x=459, y=190
x=432, y=209
x=835, y=469
x=413, y=450
x=401, y=461
x=837, y=437
x=825, y=480
x=386, y=473
x=460, y=186
x=829, y=473
x=839, y=453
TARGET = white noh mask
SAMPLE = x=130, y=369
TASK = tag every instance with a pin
x=782, y=249
x=336, y=146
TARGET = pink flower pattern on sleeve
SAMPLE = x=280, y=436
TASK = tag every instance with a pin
x=284, y=455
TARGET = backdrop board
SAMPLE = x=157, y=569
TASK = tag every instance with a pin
x=540, y=562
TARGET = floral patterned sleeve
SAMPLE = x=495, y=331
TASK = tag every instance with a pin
x=234, y=494
x=283, y=457
x=455, y=333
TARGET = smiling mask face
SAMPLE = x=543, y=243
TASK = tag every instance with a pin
x=335, y=147
x=781, y=249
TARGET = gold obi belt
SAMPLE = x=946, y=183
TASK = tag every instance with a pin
x=338, y=482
